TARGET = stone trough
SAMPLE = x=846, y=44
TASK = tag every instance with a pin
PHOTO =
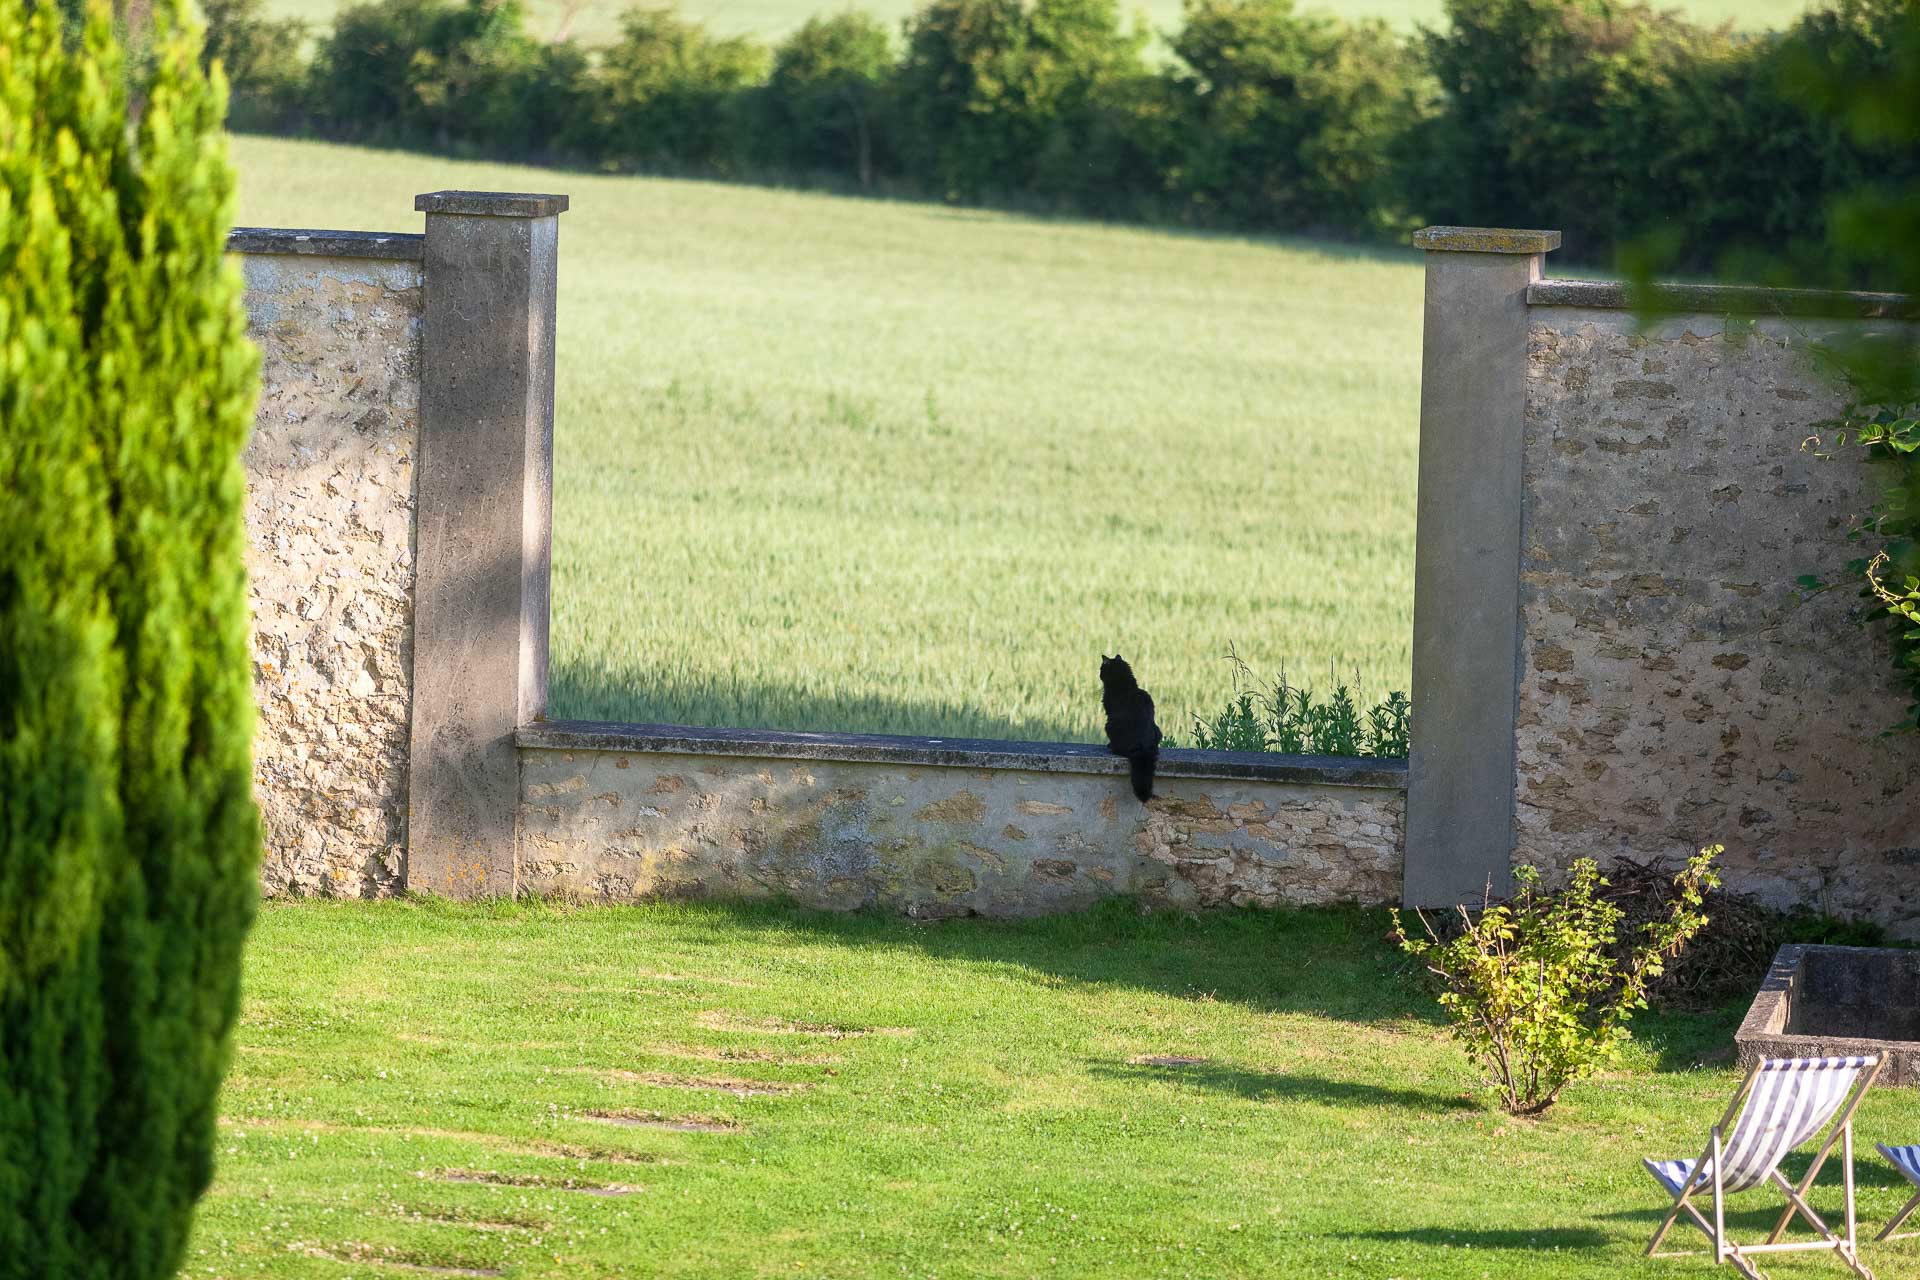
x=1836, y=1002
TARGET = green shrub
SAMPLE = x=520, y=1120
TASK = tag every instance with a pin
x=1290, y=718
x=1888, y=577
x=128, y=837
x=1120, y=155
x=1534, y=987
x=1625, y=126
x=266, y=75
x=1292, y=120
x=824, y=104
x=1866, y=82
x=993, y=93
x=667, y=95
x=457, y=76
x=1834, y=120
x=1589, y=116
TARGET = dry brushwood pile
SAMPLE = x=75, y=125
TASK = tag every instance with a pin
x=1725, y=959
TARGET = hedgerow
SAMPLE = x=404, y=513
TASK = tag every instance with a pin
x=1610, y=120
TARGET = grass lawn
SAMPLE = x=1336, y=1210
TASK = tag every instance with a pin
x=833, y=464
x=428, y=1085
x=597, y=21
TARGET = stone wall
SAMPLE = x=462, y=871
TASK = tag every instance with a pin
x=1055, y=831
x=331, y=545
x=1609, y=655
x=1675, y=691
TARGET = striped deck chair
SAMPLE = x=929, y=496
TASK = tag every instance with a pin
x=1907, y=1161
x=1786, y=1102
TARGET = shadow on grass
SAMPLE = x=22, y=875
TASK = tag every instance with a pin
x=582, y=690
x=1532, y=1239
x=1746, y=1223
x=1290, y=1087
x=1691, y=1040
x=1332, y=962
x=1872, y=1173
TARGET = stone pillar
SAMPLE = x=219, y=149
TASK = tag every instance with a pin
x=483, y=490
x=1466, y=592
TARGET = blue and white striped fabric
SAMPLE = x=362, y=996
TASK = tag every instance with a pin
x=1905, y=1159
x=1791, y=1100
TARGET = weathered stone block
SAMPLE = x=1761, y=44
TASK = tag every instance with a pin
x=1675, y=691
x=942, y=841
x=330, y=507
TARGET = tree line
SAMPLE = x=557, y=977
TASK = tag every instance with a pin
x=1634, y=131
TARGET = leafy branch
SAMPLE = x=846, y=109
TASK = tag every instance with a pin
x=1889, y=578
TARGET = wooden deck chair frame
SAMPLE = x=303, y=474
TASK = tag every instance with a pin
x=1907, y=1212
x=1840, y=1130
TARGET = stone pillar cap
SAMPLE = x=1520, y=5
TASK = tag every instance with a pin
x=491, y=204
x=1485, y=240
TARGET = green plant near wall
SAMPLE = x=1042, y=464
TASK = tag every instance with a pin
x=1888, y=576
x=1285, y=717
x=1876, y=221
x=1539, y=988
x=128, y=836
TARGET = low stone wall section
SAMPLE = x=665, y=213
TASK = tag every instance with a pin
x=1676, y=689
x=330, y=504
x=619, y=813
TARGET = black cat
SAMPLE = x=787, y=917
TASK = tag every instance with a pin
x=1131, y=731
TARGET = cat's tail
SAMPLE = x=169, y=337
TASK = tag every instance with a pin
x=1140, y=764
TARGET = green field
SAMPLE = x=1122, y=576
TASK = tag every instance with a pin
x=420, y=1085
x=597, y=21
x=833, y=464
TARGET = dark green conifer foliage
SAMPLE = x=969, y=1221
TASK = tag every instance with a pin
x=128, y=836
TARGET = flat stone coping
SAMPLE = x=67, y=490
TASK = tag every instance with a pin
x=1485, y=240
x=492, y=204
x=954, y=753
x=398, y=246
x=1721, y=299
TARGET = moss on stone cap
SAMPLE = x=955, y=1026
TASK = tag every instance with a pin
x=1485, y=240
x=497, y=204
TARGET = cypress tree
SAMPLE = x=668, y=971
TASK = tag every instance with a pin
x=128, y=836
